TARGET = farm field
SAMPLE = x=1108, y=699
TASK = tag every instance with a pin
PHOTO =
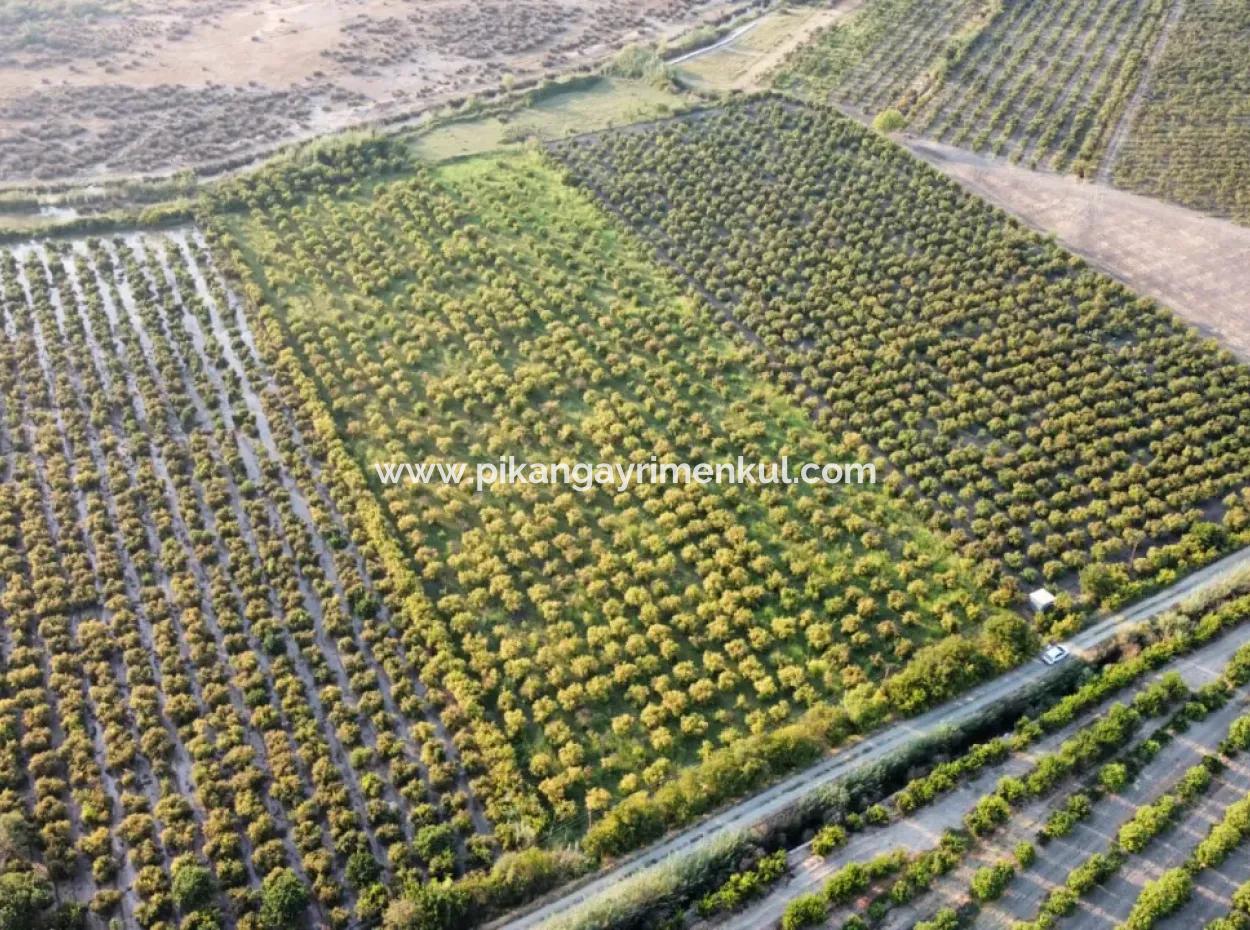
x=616, y=637
x=200, y=677
x=883, y=53
x=256, y=674
x=1196, y=265
x=1191, y=140
x=857, y=304
x=1149, y=95
x=744, y=62
x=1045, y=84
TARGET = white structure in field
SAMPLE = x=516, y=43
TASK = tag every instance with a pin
x=1040, y=600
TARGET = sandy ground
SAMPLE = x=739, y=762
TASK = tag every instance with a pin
x=180, y=83
x=1197, y=265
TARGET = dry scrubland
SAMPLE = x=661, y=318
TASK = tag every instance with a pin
x=107, y=87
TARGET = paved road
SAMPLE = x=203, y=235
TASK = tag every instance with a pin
x=761, y=807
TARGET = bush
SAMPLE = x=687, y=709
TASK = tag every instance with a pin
x=192, y=885
x=1025, y=854
x=829, y=838
x=804, y=911
x=990, y=882
x=945, y=919
x=283, y=898
x=23, y=896
x=1113, y=776
x=889, y=120
x=1160, y=898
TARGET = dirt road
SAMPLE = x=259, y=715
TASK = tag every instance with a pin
x=1197, y=265
x=745, y=58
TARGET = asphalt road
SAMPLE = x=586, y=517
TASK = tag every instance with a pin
x=874, y=748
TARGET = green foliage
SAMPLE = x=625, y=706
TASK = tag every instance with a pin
x=1190, y=141
x=827, y=839
x=945, y=919
x=889, y=120
x=873, y=59
x=363, y=869
x=1146, y=823
x=804, y=911
x=1113, y=776
x=999, y=92
x=653, y=735
x=989, y=882
x=1025, y=854
x=433, y=905
x=283, y=898
x=641, y=62
x=1061, y=822
x=1158, y=898
x=24, y=897
x=192, y=885
x=741, y=887
x=808, y=311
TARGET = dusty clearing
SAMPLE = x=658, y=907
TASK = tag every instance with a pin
x=746, y=62
x=1197, y=265
x=105, y=88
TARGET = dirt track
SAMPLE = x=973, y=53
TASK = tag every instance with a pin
x=1196, y=265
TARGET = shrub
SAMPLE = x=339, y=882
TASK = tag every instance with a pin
x=804, y=911
x=989, y=882
x=283, y=898
x=889, y=120
x=827, y=839
x=1113, y=776
x=192, y=885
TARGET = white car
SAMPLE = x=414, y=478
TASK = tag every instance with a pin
x=1054, y=654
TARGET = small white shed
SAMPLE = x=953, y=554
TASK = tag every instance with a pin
x=1041, y=600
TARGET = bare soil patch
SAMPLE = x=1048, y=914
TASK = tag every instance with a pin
x=1197, y=265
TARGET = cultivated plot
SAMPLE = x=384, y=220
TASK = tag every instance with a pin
x=202, y=686
x=1034, y=409
x=1190, y=141
x=615, y=636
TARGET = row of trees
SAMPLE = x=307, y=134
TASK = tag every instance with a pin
x=910, y=316
x=229, y=729
x=1190, y=141
x=1045, y=85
